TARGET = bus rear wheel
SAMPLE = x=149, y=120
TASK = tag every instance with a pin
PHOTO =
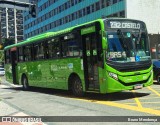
x=25, y=83
x=77, y=88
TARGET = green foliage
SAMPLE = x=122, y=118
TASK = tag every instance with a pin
x=1, y=56
x=5, y=42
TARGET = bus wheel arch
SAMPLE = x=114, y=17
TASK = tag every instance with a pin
x=75, y=85
x=24, y=82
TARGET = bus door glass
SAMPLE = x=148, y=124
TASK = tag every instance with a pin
x=90, y=61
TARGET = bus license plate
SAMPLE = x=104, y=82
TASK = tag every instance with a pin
x=138, y=86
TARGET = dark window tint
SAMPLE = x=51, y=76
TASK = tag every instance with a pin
x=20, y=54
x=27, y=53
x=70, y=46
x=39, y=51
x=53, y=48
x=7, y=56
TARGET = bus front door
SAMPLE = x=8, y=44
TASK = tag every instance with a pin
x=90, y=62
x=13, y=63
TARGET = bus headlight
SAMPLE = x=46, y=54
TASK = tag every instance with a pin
x=113, y=75
x=151, y=71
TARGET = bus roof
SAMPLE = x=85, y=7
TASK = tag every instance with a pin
x=47, y=35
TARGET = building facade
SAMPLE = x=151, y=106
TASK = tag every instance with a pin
x=54, y=15
x=11, y=23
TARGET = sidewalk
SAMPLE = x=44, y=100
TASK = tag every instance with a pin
x=8, y=111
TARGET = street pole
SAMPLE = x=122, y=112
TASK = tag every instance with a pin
x=7, y=31
x=15, y=25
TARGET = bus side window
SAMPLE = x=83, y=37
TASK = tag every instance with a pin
x=41, y=51
x=27, y=53
x=35, y=51
x=49, y=44
x=7, y=56
x=56, y=49
x=53, y=48
x=70, y=46
x=64, y=48
x=20, y=54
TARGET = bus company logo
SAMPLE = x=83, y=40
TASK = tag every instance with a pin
x=54, y=67
x=70, y=65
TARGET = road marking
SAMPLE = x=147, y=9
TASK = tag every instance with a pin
x=137, y=100
x=156, y=107
x=153, y=91
x=124, y=106
x=149, y=98
x=142, y=102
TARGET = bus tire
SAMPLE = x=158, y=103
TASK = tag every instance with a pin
x=158, y=79
x=25, y=83
x=77, y=88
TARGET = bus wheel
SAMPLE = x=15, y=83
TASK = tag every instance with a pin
x=25, y=83
x=77, y=88
x=158, y=79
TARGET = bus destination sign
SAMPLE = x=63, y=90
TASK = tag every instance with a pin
x=125, y=25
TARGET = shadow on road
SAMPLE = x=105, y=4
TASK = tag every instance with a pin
x=88, y=96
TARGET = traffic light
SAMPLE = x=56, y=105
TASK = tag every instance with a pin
x=32, y=10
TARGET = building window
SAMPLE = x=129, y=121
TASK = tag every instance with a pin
x=80, y=13
x=122, y=14
x=114, y=1
x=88, y=10
x=97, y=6
x=92, y=8
x=84, y=11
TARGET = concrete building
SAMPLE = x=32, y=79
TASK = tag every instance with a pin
x=54, y=15
x=11, y=23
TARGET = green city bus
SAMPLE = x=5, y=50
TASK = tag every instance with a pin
x=102, y=56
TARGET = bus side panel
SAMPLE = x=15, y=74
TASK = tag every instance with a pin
x=51, y=73
x=32, y=70
x=60, y=71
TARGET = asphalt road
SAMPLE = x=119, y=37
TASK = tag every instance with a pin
x=51, y=102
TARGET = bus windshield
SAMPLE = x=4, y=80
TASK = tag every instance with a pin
x=127, y=45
